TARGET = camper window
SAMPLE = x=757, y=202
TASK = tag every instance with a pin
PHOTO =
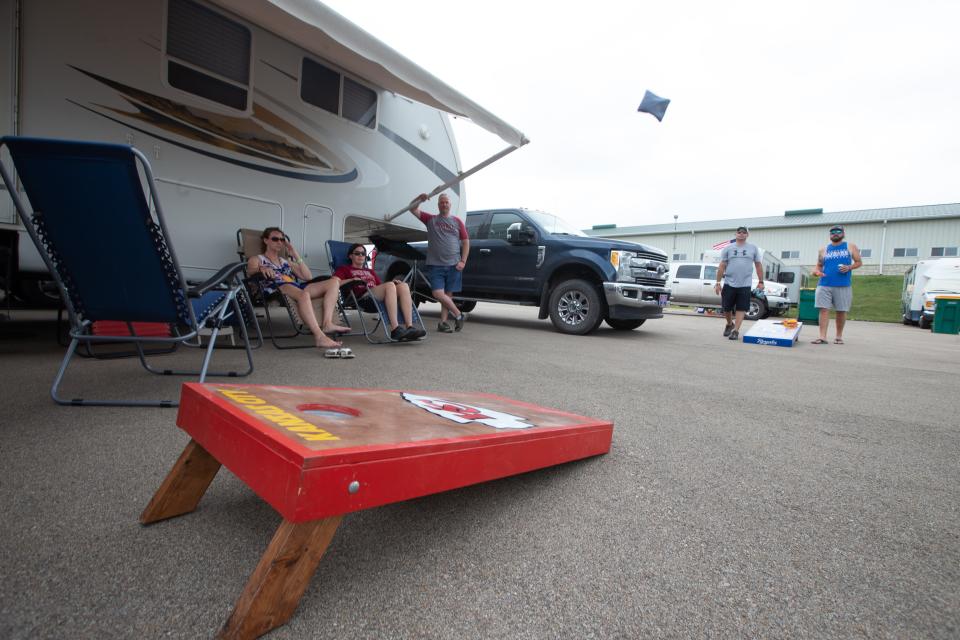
x=321, y=87
x=209, y=54
x=359, y=103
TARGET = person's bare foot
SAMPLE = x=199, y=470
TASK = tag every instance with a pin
x=336, y=328
x=327, y=343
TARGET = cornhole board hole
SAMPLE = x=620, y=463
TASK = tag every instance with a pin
x=773, y=333
x=315, y=454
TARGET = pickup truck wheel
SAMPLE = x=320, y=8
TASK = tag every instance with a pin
x=466, y=305
x=758, y=309
x=38, y=292
x=575, y=307
x=625, y=325
x=924, y=321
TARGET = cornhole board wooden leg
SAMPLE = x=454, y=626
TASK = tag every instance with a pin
x=274, y=590
x=183, y=487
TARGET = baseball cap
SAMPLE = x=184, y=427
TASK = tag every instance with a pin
x=743, y=229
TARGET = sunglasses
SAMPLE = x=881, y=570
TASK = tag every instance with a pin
x=836, y=232
x=276, y=239
x=359, y=253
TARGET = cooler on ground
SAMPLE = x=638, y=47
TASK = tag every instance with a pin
x=807, y=310
x=946, y=319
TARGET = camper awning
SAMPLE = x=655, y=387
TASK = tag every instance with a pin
x=325, y=33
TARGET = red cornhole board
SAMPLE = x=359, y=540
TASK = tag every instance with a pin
x=315, y=454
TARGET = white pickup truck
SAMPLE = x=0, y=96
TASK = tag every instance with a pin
x=692, y=285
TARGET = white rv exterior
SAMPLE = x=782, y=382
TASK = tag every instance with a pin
x=242, y=127
x=922, y=283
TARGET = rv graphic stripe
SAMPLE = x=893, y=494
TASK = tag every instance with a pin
x=433, y=165
x=347, y=177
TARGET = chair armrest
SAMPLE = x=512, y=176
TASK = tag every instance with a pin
x=216, y=279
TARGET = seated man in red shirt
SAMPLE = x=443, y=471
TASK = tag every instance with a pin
x=392, y=293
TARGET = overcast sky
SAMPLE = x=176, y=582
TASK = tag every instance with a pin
x=774, y=105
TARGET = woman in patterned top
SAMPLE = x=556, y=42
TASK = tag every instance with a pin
x=393, y=294
x=292, y=278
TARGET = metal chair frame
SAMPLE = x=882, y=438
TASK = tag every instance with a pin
x=219, y=301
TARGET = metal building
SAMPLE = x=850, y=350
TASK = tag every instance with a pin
x=890, y=240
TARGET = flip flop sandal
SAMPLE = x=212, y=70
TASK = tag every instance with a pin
x=339, y=352
x=838, y=341
x=819, y=341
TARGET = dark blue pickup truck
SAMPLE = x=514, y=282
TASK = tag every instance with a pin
x=519, y=256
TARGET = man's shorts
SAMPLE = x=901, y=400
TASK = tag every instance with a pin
x=838, y=298
x=735, y=298
x=446, y=278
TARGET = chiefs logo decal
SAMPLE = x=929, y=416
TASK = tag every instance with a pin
x=466, y=414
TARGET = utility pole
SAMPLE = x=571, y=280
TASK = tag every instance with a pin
x=675, y=216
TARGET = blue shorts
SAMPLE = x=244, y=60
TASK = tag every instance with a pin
x=446, y=278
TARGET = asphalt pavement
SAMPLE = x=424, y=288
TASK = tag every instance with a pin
x=751, y=491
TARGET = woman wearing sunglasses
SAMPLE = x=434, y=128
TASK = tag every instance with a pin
x=393, y=294
x=292, y=277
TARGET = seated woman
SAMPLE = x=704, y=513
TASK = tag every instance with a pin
x=290, y=277
x=390, y=293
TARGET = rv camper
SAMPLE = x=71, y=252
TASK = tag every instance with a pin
x=922, y=283
x=253, y=114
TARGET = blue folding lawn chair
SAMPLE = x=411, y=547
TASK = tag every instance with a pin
x=364, y=304
x=111, y=255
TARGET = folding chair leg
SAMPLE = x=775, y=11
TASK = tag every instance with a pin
x=204, y=372
x=54, y=389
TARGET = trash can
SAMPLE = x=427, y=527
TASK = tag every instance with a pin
x=946, y=319
x=807, y=312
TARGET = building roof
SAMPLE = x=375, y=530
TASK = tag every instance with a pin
x=793, y=220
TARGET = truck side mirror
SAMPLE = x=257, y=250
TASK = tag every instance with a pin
x=517, y=233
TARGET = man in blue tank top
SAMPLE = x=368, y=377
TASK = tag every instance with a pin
x=835, y=266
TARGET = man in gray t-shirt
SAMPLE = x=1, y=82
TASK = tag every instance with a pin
x=738, y=261
x=447, y=249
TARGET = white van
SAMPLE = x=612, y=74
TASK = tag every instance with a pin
x=922, y=283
